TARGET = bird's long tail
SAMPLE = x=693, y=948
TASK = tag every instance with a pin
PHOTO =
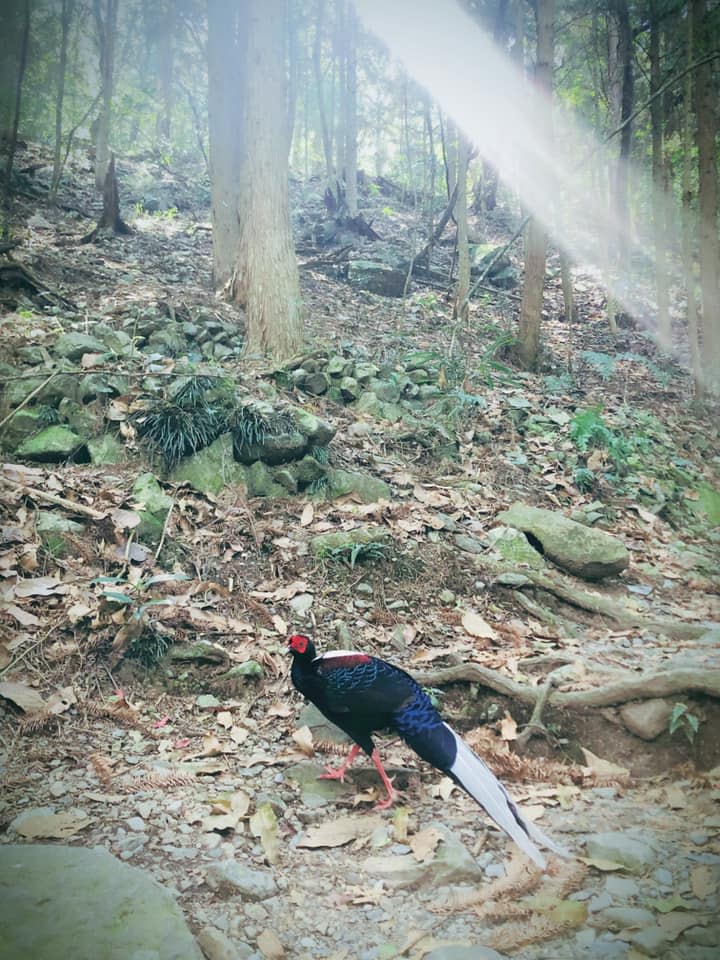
x=476, y=778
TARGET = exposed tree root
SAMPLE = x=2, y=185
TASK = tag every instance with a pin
x=662, y=683
x=612, y=608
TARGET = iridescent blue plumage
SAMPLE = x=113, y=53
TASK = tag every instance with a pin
x=361, y=694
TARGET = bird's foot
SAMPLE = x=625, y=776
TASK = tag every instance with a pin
x=388, y=801
x=333, y=774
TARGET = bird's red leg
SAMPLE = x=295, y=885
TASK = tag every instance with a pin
x=388, y=801
x=339, y=772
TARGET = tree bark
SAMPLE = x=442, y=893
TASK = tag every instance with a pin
x=461, y=305
x=17, y=100
x=658, y=179
x=265, y=280
x=226, y=65
x=688, y=217
x=709, y=242
x=351, y=193
x=106, y=25
x=66, y=15
x=536, y=245
x=330, y=182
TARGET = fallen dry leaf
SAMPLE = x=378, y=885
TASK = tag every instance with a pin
x=303, y=738
x=423, y=844
x=225, y=719
x=280, y=625
x=270, y=946
x=55, y=826
x=602, y=768
x=22, y=696
x=22, y=616
x=702, y=882
x=474, y=624
x=307, y=516
x=508, y=727
x=263, y=824
x=39, y=587
x=336, y=833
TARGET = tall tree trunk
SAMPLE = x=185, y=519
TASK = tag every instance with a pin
x=706, y=138
x=266, y=281
x=688, y=217
x=461, y=307
x=536, y=244
x=226, y=66
x=658, y=178
x=330, y=182
x=106, y=24
x=351, y=193
x=166, y=38
x=621, y=84
x=66, y=15
x=17, y=99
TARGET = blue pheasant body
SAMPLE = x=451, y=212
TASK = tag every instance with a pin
x=361, y=694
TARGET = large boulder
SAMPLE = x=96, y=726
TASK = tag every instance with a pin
x=58, y=901
x=582, y=551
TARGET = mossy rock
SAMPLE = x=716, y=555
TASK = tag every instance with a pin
x=106, y=449
x=51, y=445
x=211, y=469
x=369, y=489
x=23, y=424
x=74, y=345
x=261, y=482
x=337, y=541
x=78, y=417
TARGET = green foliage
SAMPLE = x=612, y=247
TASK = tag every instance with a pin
x=588, y=430
x=250, y=425
x=176, y=430
x=584, y=479
x=559, y=384
x=606, y=366
x=351, y=554
x=321, y=454
x=682, y=719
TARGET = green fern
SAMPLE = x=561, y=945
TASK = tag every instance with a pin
x=602, y=363
x=588, y=429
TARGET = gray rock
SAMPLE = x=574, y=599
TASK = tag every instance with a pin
x=469, y=544
x=50, y=522
x=451, y=864
x=217, y=946
x=58, y=901
x=583, y=551
x=230, y=878
x=321, y=728
x=648, y=718
x=350, y=389
x=627, y=918
x=636, y=855
x=148, y=491
x=338, y=367
x=325, y=544
x=319, y=432
x=621, y=887
x=457, y=951
x=51, y=445
x=512, y=546
x=377, y=278
x=72, y=346
x=78, y=417
x=600, y=902
x=101, y=385
x=274, y=448
x=651, y=941
x=23, y=424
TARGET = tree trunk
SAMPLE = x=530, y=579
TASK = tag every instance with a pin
x=688, y=217
x=706, y=136
x=21, y=64
x=265, y=280
x=106, y=25
x=658, y=179
x=330, y=183
x=351, y=194
x=536, y=245
x=166, y=38
x=66, y=15
x=462, y=289
x=226, y=65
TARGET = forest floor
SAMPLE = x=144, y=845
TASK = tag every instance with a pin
x=177, y=774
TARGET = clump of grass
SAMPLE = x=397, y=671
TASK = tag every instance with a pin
x=351, y=554
x=251, y=426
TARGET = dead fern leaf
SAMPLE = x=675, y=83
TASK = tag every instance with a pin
x=102, y=769
x=119, y=713
x=159, y=781
x=37, y=722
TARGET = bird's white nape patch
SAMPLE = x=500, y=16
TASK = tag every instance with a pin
x=329, y=654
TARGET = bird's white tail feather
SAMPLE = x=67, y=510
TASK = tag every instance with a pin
x=482, y=784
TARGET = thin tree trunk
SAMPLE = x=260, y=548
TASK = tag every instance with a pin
x=330, y=184
x=536, y=245
x=22, y=63
x=461, y=307
x=165, y=72
x=688, y=218
x=658, y=178
x=66, y=15
x=106, y=24
x=709, y=242
x=351, y=193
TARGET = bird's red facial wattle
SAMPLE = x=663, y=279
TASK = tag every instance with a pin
x=298, y=643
